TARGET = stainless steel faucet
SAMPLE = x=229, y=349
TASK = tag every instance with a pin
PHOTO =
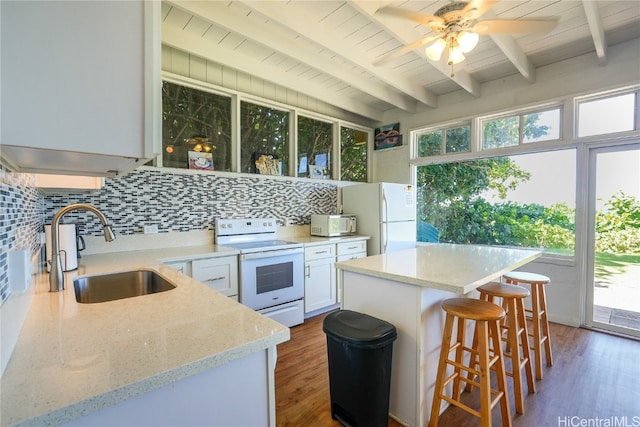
x=56, y=277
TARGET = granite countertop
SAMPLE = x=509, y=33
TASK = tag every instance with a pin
x=72, y=359
x=448, y=267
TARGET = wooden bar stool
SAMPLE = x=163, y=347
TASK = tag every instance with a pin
x=515, y=327
x=487, y=317
x=538, y=312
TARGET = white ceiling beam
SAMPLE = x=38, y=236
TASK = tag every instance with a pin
x=180, y=39
x=512, y=51
x=407, y=34
x=278, y=11
x=596, y=28
x=221, y=15
x=518, y=58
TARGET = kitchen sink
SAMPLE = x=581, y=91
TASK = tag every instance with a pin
x=114, y=286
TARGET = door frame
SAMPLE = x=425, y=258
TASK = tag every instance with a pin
x=591, y=175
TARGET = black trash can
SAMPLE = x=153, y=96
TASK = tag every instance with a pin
x=359, y=349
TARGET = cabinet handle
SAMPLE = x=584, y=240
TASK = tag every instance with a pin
x=213, y=279
x=321, y=252
x=307, y=271
x=352, y=247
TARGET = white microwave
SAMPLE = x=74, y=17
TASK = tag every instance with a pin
x=333, y=225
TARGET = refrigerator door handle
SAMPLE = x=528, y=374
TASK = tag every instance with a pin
x=385, y=236
x=385, y=207
x=385, y=229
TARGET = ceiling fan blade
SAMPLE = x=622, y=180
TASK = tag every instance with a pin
x=419, y=17
x=405, y=49
x=476, y=8
x=514, y=26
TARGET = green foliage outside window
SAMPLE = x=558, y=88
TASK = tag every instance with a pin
x=618, y=225
x=200, y=121
x=505, y=132
x=263, y=131
x=315, y=139
x=458, y=139
x=191, y=116
x=450, y=194
x=353, y=155
x=455, y=139
x=430, y=144
x=449, y=199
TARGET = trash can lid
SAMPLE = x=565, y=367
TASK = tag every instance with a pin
x=359, y=329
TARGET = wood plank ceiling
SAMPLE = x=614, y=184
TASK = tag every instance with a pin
x=327, y=49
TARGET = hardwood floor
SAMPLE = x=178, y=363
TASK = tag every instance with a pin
x=595, y=376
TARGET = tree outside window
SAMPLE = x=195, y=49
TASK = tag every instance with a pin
x=353, y=155
x=263, y=131
x=473, y=202
x=444, y=141
x=515, y=130
x=195, y=120
x=476, y=202
x=315, y=140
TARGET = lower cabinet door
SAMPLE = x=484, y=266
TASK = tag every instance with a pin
x=219, y=273
x=319, y=284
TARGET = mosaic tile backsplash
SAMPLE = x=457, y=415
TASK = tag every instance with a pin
x=181, y=201
x=21, y=220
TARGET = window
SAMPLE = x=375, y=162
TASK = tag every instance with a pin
x=315, y=141
x=198, y=122
x=502, y=200
x=264, y=135
x=353, y=154
x=444, y=141
x=607, y=115
x=198, y=128
x=541, y=126
x=511, y=131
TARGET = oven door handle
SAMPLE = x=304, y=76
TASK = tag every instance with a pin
x=271, y=254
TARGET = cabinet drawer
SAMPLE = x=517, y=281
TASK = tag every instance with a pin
x=347, y=248
x=319, y=252
x=220, y=273
x=347, y=257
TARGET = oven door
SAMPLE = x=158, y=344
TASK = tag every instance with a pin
x=271, y=278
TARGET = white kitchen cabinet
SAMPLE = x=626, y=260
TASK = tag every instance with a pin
x=345, y=252
x=319, y=277
x=209, y=398
x=356, y=249
x=220, y=273
x=183, y=267
x=81, y=86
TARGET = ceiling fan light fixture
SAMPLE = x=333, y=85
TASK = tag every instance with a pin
x=467, y=41
x=434, y=52
x=455, y=55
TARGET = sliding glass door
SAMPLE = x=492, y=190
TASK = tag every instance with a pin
x=613, y=294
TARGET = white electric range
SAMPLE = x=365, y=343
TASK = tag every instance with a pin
x=271, y=271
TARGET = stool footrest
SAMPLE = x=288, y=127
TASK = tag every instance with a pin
x=498, y=395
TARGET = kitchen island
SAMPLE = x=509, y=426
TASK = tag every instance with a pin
x=180, y=357
x=406, y=289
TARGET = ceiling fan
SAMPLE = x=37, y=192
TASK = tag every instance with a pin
x=455, y=28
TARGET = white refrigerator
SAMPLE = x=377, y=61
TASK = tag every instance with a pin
x=386, y=212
